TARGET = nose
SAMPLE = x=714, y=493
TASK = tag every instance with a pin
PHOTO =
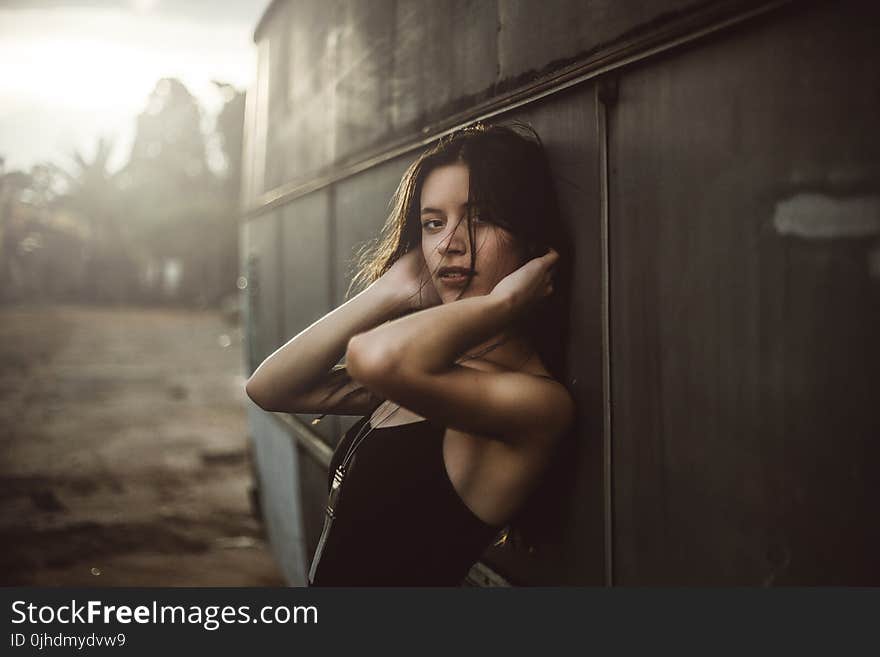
x=456, y=243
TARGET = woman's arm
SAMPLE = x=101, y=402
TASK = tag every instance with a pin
x=411, y=361
x=429, y=341
x=296, y=378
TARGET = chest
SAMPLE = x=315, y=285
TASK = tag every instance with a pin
x=491, y=477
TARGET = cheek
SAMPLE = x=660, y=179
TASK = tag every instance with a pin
x=493, y=263
x=505, y=254
x=427, y=249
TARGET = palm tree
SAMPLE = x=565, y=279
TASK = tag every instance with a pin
x=92, y=192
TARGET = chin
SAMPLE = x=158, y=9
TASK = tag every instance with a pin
x=467, y=294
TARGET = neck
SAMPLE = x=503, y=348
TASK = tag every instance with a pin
x=505, y=348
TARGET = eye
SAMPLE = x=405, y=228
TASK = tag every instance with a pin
x=427, y=224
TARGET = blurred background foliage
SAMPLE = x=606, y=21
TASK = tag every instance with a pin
x=162, y=229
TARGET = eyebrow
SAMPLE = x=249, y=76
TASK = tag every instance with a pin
x=469, y=204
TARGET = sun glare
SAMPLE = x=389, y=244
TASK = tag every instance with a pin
x=93, y=69
x=79, y=74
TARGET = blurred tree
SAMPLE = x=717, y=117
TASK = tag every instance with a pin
x=164, y=228
x=93, y=195
x=230, y=128
x=179, y=210
x=92, y=192
x=41, y=244
x=12, y=187
x=168, y=138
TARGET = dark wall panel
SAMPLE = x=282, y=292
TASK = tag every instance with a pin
x=276, y=115
x=364, y=57
x=567, y=126
x=533, y=35
x=347, y=77
x=444, y=53
x=263, y=269
x=362, y=206
x=745, y=309
x=304, y=130
x=311, y=479
x=329, y=84
x=278, y=466
x=307, y=277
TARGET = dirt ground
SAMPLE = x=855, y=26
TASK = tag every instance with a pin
x=124, y=454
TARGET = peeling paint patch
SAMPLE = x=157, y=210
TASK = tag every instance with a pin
x=819, y=216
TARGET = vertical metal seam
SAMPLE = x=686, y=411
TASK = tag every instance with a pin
x=331, y=247
x=280, y=271
x=261, y=121
x=497, y=44
x=284, y=216
x=388, y=89
x=607, y=443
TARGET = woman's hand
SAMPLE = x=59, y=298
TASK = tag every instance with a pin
x=526, y=286
x=411, y=282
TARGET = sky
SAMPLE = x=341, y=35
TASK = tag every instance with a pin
x=76, y=70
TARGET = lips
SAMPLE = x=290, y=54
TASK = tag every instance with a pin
x=454, y=275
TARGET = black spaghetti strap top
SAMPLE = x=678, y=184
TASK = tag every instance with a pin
x=400, y=522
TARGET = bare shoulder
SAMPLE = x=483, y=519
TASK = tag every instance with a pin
x=557, y=407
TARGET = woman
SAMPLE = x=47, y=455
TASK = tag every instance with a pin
x=450, y=353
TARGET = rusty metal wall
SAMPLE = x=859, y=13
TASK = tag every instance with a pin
x=306, y=273
x=346, y=77
x=567, y=126
x=745, y=232
x=724, y=208
x=276, y=458
x=362, y=206
x=262, y=266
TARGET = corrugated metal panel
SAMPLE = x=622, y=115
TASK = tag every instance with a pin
x=362, y=206
x=743, y=179
x=443, y=52
x=307, y=276
x=347, y=77
x=278, y=467
x=262, y=266
x=277, y=148
x=275, y=455
x=744, y=355
x=533, y=36
x=567, y=126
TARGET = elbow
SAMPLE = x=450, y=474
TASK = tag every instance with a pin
x=369, y=363
x=259, y=397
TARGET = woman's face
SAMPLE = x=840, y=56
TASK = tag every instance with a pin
x=445, y=243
